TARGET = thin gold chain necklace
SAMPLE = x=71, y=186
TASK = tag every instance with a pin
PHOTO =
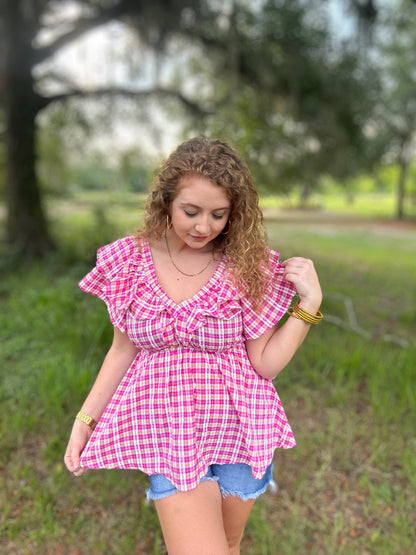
x=179, y=270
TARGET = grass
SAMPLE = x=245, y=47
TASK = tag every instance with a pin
x=369, y=205
x=348, y=486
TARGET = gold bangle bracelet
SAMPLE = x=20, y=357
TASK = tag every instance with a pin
x=88, y=420
x=308, y=317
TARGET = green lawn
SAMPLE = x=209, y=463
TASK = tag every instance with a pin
x=348, y=486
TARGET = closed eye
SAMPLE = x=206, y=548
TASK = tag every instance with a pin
x=192, y=214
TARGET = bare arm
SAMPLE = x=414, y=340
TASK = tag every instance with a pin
x=271, y=352
x=116, y=363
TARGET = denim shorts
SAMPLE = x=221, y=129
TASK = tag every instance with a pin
x=233, y=479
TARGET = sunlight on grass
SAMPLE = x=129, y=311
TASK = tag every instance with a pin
x=365, y=205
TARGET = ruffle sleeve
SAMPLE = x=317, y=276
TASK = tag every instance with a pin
x=115, y=278
x=276, y=300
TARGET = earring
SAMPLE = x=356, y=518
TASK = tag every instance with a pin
x=168, y=221
x=226, y=229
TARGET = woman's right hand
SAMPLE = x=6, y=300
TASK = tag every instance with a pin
x=80, y=435
x=116, y=363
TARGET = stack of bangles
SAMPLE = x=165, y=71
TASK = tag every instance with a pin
x=88, y=420
x=304, y=315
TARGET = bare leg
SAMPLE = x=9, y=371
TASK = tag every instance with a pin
x=235, y=513
x=192, y=521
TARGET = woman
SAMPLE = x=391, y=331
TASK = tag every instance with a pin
x=185, y=392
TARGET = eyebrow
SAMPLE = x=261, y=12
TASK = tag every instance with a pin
x=196, y=206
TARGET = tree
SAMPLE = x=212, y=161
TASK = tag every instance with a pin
x=397, y=105
x=299, y=99
x=269, y=72
x=386, y=37
x=21, y=22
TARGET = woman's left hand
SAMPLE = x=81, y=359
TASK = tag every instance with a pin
x=301, y=272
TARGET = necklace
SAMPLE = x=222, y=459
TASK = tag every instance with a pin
x=179, y=270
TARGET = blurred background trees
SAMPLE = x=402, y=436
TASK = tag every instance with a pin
x=307, y=90
x=395, y=115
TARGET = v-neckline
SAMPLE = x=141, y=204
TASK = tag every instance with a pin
x=159, y=289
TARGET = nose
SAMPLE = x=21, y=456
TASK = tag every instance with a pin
x=202, y=226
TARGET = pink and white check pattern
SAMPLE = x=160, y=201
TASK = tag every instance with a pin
x=191, y=397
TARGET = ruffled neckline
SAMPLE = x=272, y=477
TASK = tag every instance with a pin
x=154, y=282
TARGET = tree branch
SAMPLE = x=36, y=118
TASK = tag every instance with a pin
x=128, y=93
x=82, y=25
x=351, y=322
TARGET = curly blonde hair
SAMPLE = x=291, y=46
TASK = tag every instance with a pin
x=243, y=241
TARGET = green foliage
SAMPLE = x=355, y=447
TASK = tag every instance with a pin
x=92, y=219
x=272, y=77
x=134, y=172
x=396, y=117
x=95, y=175
x=59, y=131
x=294, y=99
x=71, y=161
x=2, y=165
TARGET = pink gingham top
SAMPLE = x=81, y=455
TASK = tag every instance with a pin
x=191, y=397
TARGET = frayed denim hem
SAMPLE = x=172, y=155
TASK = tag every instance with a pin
x=150, y=496
x=246, y=496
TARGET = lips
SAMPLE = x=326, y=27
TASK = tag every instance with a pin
x=198, y=238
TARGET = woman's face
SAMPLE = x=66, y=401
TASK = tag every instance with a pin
x=199, y=211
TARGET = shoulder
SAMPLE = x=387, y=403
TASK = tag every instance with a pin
x=120, y=247
x=272, y=265
x=119, y=252
x=273, y=256
x=269, y=266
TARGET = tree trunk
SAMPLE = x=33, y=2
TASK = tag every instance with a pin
x=305, y=194
x=26, y=227
x=401, y=186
